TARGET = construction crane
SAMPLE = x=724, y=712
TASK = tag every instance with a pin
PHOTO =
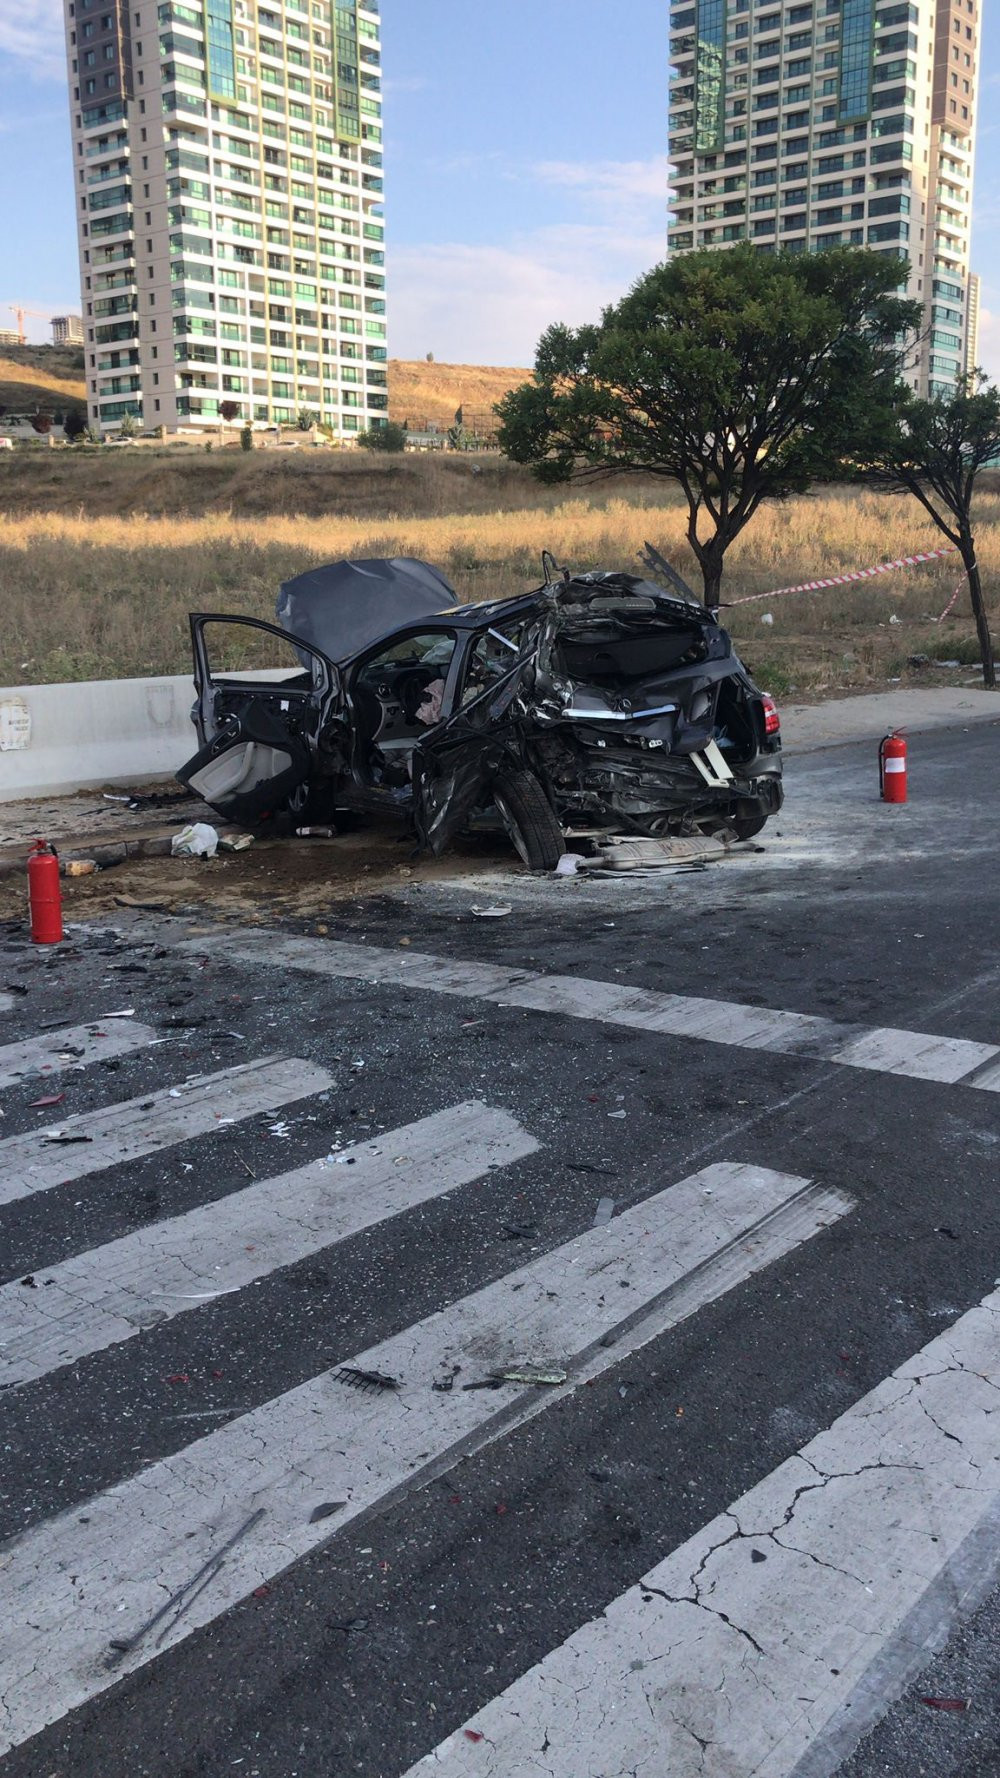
x=20, y=311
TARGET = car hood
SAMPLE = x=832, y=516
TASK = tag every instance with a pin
x=342, y=608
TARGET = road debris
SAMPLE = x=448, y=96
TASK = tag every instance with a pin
x=519, y=1231
x=49, y=1099
x=197, y=840
x=184, y=1596
x=490, y=913
x=369, y=1382
x=947, y=1703
x=325, y=1510
x=602, y=1214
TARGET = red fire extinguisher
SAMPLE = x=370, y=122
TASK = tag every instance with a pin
x=892, y=767
x=44, y=896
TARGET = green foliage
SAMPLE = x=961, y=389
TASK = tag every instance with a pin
x=75, y=425
x=390, y=437
x=246, y=438
x=128, y=426
x=306, y=419
x=740, y=375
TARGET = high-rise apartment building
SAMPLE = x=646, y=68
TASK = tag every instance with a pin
x=803, y=124
x=228, y=167
x=67, y=330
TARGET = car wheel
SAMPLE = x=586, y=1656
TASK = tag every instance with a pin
x=530, y=820
x=746, y=829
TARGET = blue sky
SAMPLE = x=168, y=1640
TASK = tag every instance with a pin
x=525, y=168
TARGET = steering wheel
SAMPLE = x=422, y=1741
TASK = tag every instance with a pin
x=411, y=688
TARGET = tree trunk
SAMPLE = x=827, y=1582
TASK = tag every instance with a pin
x=979, y=613
x=712, y=578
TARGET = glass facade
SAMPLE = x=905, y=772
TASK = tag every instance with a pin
x=710, y=68
x=220, y=50
x=347, y=79
x=857, y=53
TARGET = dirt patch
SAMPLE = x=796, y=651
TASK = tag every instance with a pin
x=298, y=879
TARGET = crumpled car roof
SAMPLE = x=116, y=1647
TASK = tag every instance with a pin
x=343, y=607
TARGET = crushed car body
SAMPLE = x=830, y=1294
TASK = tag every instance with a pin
x=597, y=701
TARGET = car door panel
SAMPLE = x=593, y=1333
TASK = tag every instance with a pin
x=258, y=729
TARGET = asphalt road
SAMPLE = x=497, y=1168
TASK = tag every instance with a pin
x=358, y=1624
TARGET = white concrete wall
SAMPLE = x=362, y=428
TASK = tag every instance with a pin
x=56, y=738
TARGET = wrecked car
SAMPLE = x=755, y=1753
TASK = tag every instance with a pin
x=599, y=701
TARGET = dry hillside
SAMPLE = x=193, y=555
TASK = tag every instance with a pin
x=44, y=376
x=419, y=391
x=25, y=386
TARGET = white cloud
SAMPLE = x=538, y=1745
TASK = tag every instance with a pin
x=489, y=305
x=31, y=33
x=621, y=189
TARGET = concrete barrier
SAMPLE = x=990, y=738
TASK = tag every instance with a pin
x=58, y=738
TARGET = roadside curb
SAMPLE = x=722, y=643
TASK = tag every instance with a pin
x=15, y=859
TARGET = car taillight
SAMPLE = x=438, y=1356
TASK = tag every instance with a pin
x=772, y=721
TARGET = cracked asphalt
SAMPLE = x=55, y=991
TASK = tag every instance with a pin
x=371, y=1649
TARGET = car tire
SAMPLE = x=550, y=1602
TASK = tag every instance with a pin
x=530, y=820
x=749, y=827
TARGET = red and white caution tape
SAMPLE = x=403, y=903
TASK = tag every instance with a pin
x=815, y=586
x=950, y=604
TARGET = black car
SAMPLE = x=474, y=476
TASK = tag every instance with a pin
x=596, y=701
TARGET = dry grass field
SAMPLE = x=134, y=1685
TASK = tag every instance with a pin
x=99, y=568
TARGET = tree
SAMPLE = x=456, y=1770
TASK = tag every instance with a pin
x=390, y=437
x=128, y=426
x=229, y=411
x=246, y=438
x=74, y=425
x=41, y=421
x=935, y=451
x=740, y=375
x=306, y=419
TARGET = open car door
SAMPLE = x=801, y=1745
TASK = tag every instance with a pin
x=455, y=763
x=262, y=700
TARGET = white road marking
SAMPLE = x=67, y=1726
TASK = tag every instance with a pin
x=134, y=1127
x=112, y=1293
x=748, y=1647
x=914, y=1053
x=79, y=1581
x=54, y=1052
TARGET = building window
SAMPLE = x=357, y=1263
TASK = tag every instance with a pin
x=856, y=52
x=709, y=76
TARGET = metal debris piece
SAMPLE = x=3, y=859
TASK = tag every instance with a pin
x=58, y=1137
x=947, y=1703
x=184, y=1596
x=519, y=1231
x=603, y=1212
x=490, y=913
x=368, y=1381
x=529, y=1374
x=325, y=1510
x=49, y=1099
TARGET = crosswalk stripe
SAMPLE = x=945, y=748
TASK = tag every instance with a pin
x=32, y=1163
x=918, y=1055
x=103, y=1297
x=93, y=1594
x=72, y=1046
x=789, y=1623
